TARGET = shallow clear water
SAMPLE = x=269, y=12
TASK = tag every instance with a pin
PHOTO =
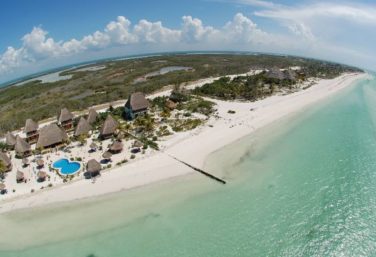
x=303, y=187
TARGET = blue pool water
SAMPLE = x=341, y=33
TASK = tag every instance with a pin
x=67, y=167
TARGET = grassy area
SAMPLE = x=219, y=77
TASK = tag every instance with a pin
x=117, y=81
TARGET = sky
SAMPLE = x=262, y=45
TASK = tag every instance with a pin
x=43, y=34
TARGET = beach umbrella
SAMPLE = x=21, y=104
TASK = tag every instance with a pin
x=107, y=155
x=40, y=163
x=116, y=147
x=41, y=175
x=93, y=146
x=2, y=186
x=25, y=161
x=137, y=144
x=20, y=176
x=93, y=167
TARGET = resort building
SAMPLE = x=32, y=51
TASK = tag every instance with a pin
x=275, y=73
x=51, y=136
x=10, y=140
x=83, y=128
x=108, y=128
x=93, y=168
x=31, y=131
x=22, y=148
x=65, y=119
x=136, y=105
x=290, y=75
x=92, y=116
x=4, y=158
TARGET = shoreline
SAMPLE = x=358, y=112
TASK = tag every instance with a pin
x=193, y=147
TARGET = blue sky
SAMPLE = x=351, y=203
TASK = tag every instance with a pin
x=42, y=34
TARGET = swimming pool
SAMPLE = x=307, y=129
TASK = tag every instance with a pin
x=67, y=167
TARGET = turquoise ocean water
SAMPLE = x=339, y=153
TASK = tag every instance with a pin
x=305, y=186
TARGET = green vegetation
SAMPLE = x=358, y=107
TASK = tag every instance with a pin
x=185, y=124
x=3, y=168
x=248, y=88
x=197, y=105
x=39, y=101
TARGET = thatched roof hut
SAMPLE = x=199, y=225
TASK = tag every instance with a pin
x=30, y=126
x=137, y=102
x=40, y=163
x=50, y=136
x=41, y=176
x=10, y=140
x=6, y=160
x=137, y=143
x=93, y=146
x=92, y=116
x=20, y=176
x=22, y=147
x=107, y=155
x=2, y=187
x=65, y=115
x=290, y=75
x=25, y=161
x=93, y=167
x=275, y=73
x=109, y=127
x=116, y=147
x=83, y=127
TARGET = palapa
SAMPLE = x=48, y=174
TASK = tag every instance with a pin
x=51, y=135
x=25, y=161
x=83, y=127
x=137, y=143
x=30, y=126
x=42, y=174
x=65, y=115
x=10, y=140
x=40, y=163
x=116, y=147
x=92, y=116
x=20, y=176
x=107, y=155
x=109, y=127
x=137, y=102
x=22, y=147
x=6, y=160
x=93, y=166
x=93, y=146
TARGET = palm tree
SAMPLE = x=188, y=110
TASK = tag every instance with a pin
x=3, y=168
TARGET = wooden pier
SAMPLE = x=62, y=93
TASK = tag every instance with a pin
x=217, y=179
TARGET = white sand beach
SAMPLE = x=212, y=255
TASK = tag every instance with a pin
x=192, y=147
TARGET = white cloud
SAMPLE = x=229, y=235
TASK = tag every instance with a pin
x=39, y=45
x=243, y=29
x=154, y=32
x=194, y=31
x=12, y=58
x=118, y=32
x=239, y=33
